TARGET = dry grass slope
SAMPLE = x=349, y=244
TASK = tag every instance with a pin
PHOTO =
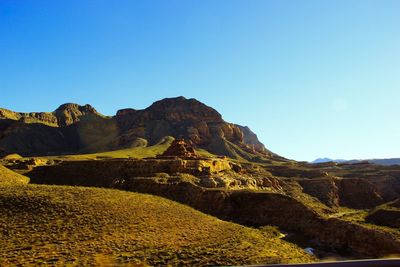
x=59, y=225
x=136, y=152
x=8, y=177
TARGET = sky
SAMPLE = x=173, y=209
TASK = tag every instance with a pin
x=310, y=78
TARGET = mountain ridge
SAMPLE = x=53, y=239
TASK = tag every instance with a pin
x=66, y=114
x=384, y=161
x=74, y=128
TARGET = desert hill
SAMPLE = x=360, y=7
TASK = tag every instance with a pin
x=75, y=129
x=59, y=225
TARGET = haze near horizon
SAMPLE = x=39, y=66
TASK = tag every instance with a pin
x=312, y=79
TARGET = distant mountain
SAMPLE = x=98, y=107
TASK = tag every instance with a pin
x=388, y=162
x=72, y=128
x=323, y=160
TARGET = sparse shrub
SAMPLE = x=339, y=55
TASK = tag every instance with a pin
x=162, y=175
x=270, y=229
x=186, y=177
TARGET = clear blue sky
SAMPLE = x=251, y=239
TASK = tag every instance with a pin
x=311, y=78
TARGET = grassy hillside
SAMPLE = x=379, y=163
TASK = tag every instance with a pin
x=136, y=152
x=8, y=177
x=58, y=225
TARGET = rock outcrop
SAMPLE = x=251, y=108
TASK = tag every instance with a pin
x=324, y=189
x=350, y=192
x=109, y=172
x=179, y=148
x=358, y=193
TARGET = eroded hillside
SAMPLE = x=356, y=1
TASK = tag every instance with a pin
x=314, y=201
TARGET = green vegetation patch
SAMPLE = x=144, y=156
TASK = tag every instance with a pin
x=135, y=152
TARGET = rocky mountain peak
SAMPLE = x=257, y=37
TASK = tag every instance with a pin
x=126, y=111
x=69, y=113
x=73, y=107
x=181, y=108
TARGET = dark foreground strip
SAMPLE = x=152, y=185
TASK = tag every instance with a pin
x=356, y=263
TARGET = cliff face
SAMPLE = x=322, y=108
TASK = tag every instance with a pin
x=72, y=128
x=191, y=120
x=177, y=117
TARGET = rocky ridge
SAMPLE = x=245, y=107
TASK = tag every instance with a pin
x=64, y=115
x=72, y=128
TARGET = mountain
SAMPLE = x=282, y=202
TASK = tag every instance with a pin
x=72, y=128
x=323, y=160
x=388, y=162
x=64, y=115
x=392, y=161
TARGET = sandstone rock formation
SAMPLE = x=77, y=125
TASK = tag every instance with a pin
x=179, y=148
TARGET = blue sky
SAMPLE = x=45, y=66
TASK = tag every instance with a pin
x=311, y=78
